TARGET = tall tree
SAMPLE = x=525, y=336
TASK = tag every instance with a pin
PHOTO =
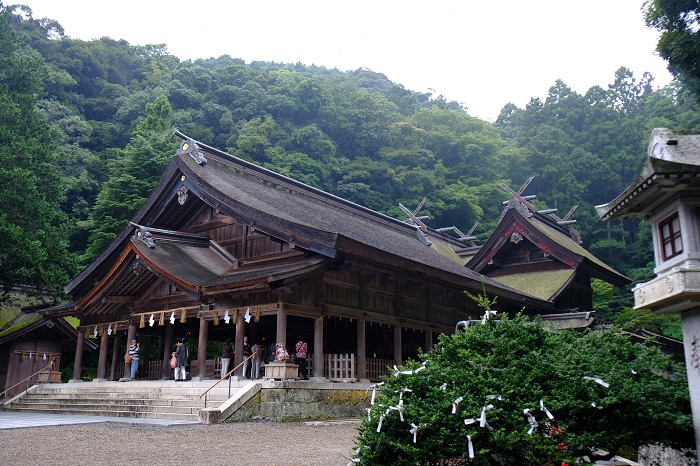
x=132, y=176
x=679, y=44
x=33, y=250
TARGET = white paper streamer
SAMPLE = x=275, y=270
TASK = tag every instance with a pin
x=482, y=419
x=379, y=426
x=227, y=318
x=471, y=447
x=634, y=372
x=546, y=411
x=95, y=331
x=369, y=411
x=414, y=431
x=418, y=369
x=247, y=316
x=172, y=318
x=487, y=316
x=109, y=329
x=44, y=357
x=398, y=408
x=30, y=355
x=469, y=421
x=397, y=371
x=596, y=406
x=456, y=403
x=443, y=386
x=402, y=391
x=151, y=320
x=531, y=419
x=597, y=380
x=494, y=397
x=374, y=391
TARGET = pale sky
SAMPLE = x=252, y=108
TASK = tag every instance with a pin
x=482, y=54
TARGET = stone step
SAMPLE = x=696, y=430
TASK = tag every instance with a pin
x=107, y=404
x=112, y=397
x=102, y=412
x=139, y=408
x=163, y=399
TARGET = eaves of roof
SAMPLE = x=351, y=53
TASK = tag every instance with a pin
x=672, y=166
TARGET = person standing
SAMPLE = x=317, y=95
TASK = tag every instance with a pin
x=226, y=357
x=181, y=356
x=301, y=349
x=134, y=353
x=258, y=351
x=246, y=361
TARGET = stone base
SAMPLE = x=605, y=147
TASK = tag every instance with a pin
x=281, y=371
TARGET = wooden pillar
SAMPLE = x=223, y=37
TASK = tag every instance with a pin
x=398, y=357
x=130, y=335
x=238, y=344
x=78, y=363
x=318, y=348
x=102, y=358
x=281, y=336
x=202, y=347
x=428, y=345
x=161, y=344
x=361, y=345
x=116, y=354
x=145, y=355
x=167, y=349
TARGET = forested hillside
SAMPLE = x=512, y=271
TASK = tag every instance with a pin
x=86, y=129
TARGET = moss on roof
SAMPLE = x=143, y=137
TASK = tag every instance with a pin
x=543, y=285
x=571, y=245
x=19, y=323
x=7, y=313
x=73, y=321
x=447, y=251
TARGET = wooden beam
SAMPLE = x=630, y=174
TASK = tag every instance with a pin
x=211, y=225
x=118, y=299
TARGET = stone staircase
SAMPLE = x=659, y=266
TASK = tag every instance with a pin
x=139, y=399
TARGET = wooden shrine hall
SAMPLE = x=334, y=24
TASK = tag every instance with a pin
x=223, y=248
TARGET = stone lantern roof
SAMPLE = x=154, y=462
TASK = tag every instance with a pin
x=672, y=167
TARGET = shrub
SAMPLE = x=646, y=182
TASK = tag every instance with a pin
x=602, y=391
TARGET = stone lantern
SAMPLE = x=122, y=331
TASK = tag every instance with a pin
x=667, y=193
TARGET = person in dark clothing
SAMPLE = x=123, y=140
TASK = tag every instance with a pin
x=226, y=357
x=181, y=356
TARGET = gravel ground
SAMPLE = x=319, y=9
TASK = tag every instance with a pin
x=240, y=444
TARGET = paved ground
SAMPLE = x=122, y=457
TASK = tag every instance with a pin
x=14, y=420
x=37, y=439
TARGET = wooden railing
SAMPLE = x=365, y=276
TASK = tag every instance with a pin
x=340, y=366
x=375, y=368
x=47, y=368
x=335, y=367
x=344, y=366
x=228, y=374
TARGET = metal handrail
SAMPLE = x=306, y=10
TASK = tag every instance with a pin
x=49, y=367
x=227, y=374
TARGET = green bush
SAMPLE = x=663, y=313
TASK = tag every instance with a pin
x=603, y=393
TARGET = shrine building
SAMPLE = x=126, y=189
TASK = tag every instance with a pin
x=223, y=248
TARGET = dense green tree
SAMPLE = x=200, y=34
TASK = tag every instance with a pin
x=33, y=251
x=525, y=395
x=132, y=177
x=679, y=43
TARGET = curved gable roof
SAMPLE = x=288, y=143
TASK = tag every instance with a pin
x=291, y=211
